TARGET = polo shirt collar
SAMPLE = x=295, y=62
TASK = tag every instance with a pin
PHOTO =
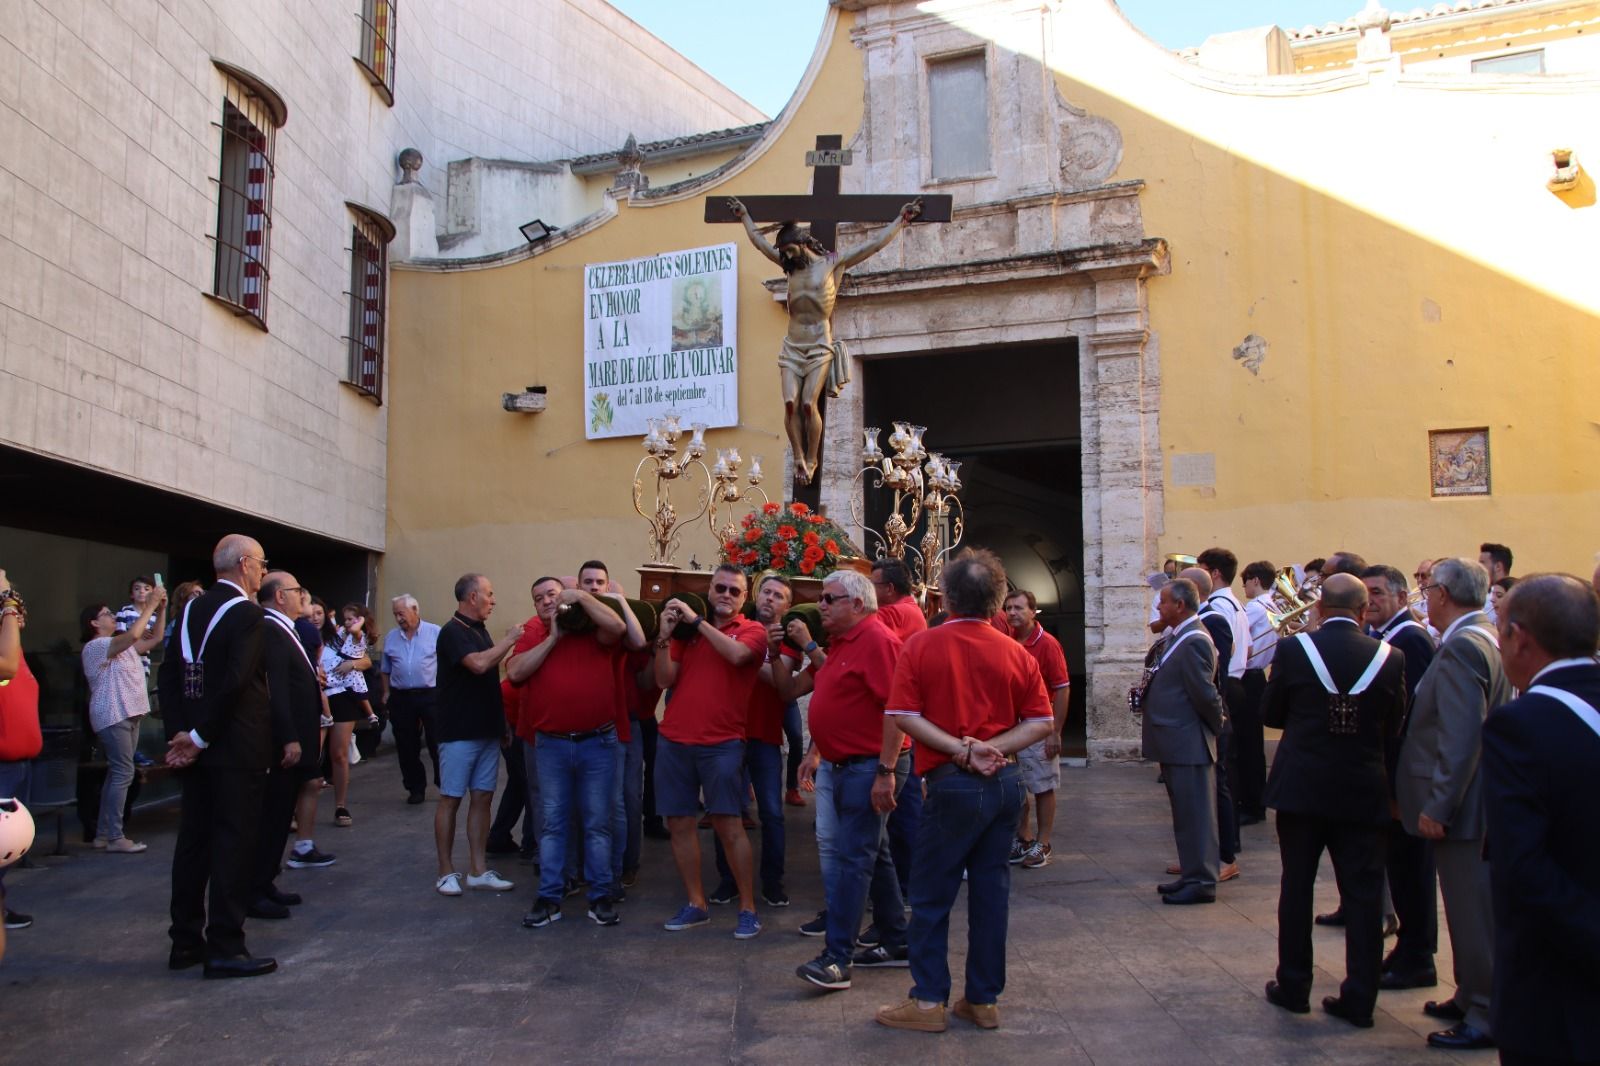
x=836, y=639
x=470, y=623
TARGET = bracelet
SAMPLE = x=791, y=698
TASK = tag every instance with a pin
x=661, y=644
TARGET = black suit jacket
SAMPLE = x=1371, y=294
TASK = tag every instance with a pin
x=293, y=692
x=232, y=714
x=1540, y=764
x=1315, y=771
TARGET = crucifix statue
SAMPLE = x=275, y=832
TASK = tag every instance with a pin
x=810, y=359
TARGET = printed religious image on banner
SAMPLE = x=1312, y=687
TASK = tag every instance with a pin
x=1459, y=459
x=660, y=336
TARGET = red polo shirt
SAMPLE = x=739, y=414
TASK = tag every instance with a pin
x=20, y=736
x=641, y=701
x=1046, y=651
x=577, y=688
x=902, y=618
x=851, y=688
x=766, y=709
x=968, y=680
x=710, y=704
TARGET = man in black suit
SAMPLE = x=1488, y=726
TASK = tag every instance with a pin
x=1541, y=757
x=219, y=728
x=1338, y=695
x=296, y=701
x=1182, y=716
x=1413, y=883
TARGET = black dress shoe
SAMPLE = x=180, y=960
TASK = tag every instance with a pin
x=1170, y=887
x=1250, y=819
x=1444, y=1009
x=1336, y=1006
x=267, y=908
x=1190, y=893
x=1334, y=917
x=1279, y=998
x=1461, y=1037
x=183, y=958
x=416, y=797
x=238, y=966
x=288, y=899
x=1393, y=980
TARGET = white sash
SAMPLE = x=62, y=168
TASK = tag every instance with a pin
x=289, y=629
x=183, y=643
x=1585, y=712
x=1197, y=631
x=1321, y=668
x=1390, y=634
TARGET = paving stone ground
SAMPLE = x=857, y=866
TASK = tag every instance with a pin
x=376, y=967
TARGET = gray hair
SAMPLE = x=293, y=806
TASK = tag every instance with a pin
x=405, y=599
x=1182, y=591
x=857, y=586
x=1465, y=581
x=974, y=584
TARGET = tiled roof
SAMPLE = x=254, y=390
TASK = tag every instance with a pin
x=677, y=145
x=1398, y=18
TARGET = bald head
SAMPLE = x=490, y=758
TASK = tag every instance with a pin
x=1343, y=596
x=241, y=560
x=1201, y=579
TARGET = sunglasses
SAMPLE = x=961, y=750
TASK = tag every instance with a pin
x=831, y=598
x=727, y=590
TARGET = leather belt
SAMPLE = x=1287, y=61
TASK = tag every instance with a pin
x=851, y=760
x=586, y=735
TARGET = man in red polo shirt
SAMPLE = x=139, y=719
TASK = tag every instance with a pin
x=971, y=699
x=572, y=691
x=1040, y=762
x=859, y=746
x=899, y=611
x=701, y=747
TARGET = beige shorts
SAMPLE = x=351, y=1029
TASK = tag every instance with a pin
x=1039, y=774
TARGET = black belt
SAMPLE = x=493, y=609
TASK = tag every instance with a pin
x=946, y=769
x=588, y=735
x=851, y=760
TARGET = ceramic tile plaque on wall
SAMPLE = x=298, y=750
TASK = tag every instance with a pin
x=1459, y=461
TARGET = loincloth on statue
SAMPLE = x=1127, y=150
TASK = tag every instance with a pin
x=804, y=361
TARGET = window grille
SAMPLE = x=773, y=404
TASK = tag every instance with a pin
x=378, y=27
x=244, y=202
x=369, y=283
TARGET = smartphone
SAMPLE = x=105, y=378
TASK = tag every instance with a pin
x=159, y=585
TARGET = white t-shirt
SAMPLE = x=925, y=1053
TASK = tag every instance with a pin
x=116, y=687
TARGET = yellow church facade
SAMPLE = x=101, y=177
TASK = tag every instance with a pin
x=1348, y=306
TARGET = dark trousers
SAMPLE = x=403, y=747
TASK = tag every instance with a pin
x=795, y=735
x=968, y=823
x=513, y=801
x=648, y=729
x=1227, y=809
x=1357, y=851
x=1249, y=746
x=903, y=822
x=215, y=854
x=277, y=811
x=763, y=764
x=411, y=719
x=1413, y=888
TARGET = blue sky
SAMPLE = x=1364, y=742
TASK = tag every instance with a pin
x=759, y=48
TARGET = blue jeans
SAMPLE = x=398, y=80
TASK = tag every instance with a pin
x=827, y=823
x=968, y=823
x=13, y=785
x=632, y=798
x=903, y=822
x=794, y=733
x=530, y=766
x=579, y=773
x=764, y=762
x=861, y=864
x=119, y=739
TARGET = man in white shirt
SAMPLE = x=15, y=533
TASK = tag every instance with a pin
x=1250, y=759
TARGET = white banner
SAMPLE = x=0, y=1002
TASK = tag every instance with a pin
x=660, y=335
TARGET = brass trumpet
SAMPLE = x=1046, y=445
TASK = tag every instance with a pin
x=1288, y=605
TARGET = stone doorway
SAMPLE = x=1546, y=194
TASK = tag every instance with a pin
x=1011, y=415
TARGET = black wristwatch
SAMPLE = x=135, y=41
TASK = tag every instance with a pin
x=885, y=771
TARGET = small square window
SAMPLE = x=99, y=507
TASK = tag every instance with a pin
x=369, y=294
x=378, y=27
x=958, y=116
x=1515, y=63
x=244, y=203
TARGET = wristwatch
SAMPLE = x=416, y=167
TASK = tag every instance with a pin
x=885, y=771
x=810, y=647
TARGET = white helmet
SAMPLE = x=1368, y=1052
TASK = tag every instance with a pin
x=16, y=831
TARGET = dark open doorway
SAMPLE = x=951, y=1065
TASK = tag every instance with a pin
x=1011, y=415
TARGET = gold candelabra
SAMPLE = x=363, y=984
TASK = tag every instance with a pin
x=925, y=486
x=661, y=448
x=725, y=490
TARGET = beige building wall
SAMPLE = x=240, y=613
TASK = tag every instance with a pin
x=111, y=357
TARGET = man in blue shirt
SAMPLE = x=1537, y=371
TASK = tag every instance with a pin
x=410, y=668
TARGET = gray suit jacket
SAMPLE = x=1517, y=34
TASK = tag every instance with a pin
x=1438, y=767
x=1182, y=708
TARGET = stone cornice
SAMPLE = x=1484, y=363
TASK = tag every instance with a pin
x=1136, y=259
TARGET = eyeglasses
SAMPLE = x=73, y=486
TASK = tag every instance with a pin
x=1422, y=575
x=727, y=590
x=261, y=560
x=831, y=598
x=1425, y=589
x=296, y=588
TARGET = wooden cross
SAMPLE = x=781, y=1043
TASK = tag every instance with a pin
x=825, y=208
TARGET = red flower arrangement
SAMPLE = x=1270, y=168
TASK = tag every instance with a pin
x=773, y=540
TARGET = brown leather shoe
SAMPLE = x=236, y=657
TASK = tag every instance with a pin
x=1229, y=871
x=983, y=1015
x=908, y=1015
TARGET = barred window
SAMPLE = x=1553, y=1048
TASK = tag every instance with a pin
x=377, y=45
x=369, y=284
x=251, y=115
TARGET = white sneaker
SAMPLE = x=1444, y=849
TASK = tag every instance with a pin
x=449, y=885
x=489, y=880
